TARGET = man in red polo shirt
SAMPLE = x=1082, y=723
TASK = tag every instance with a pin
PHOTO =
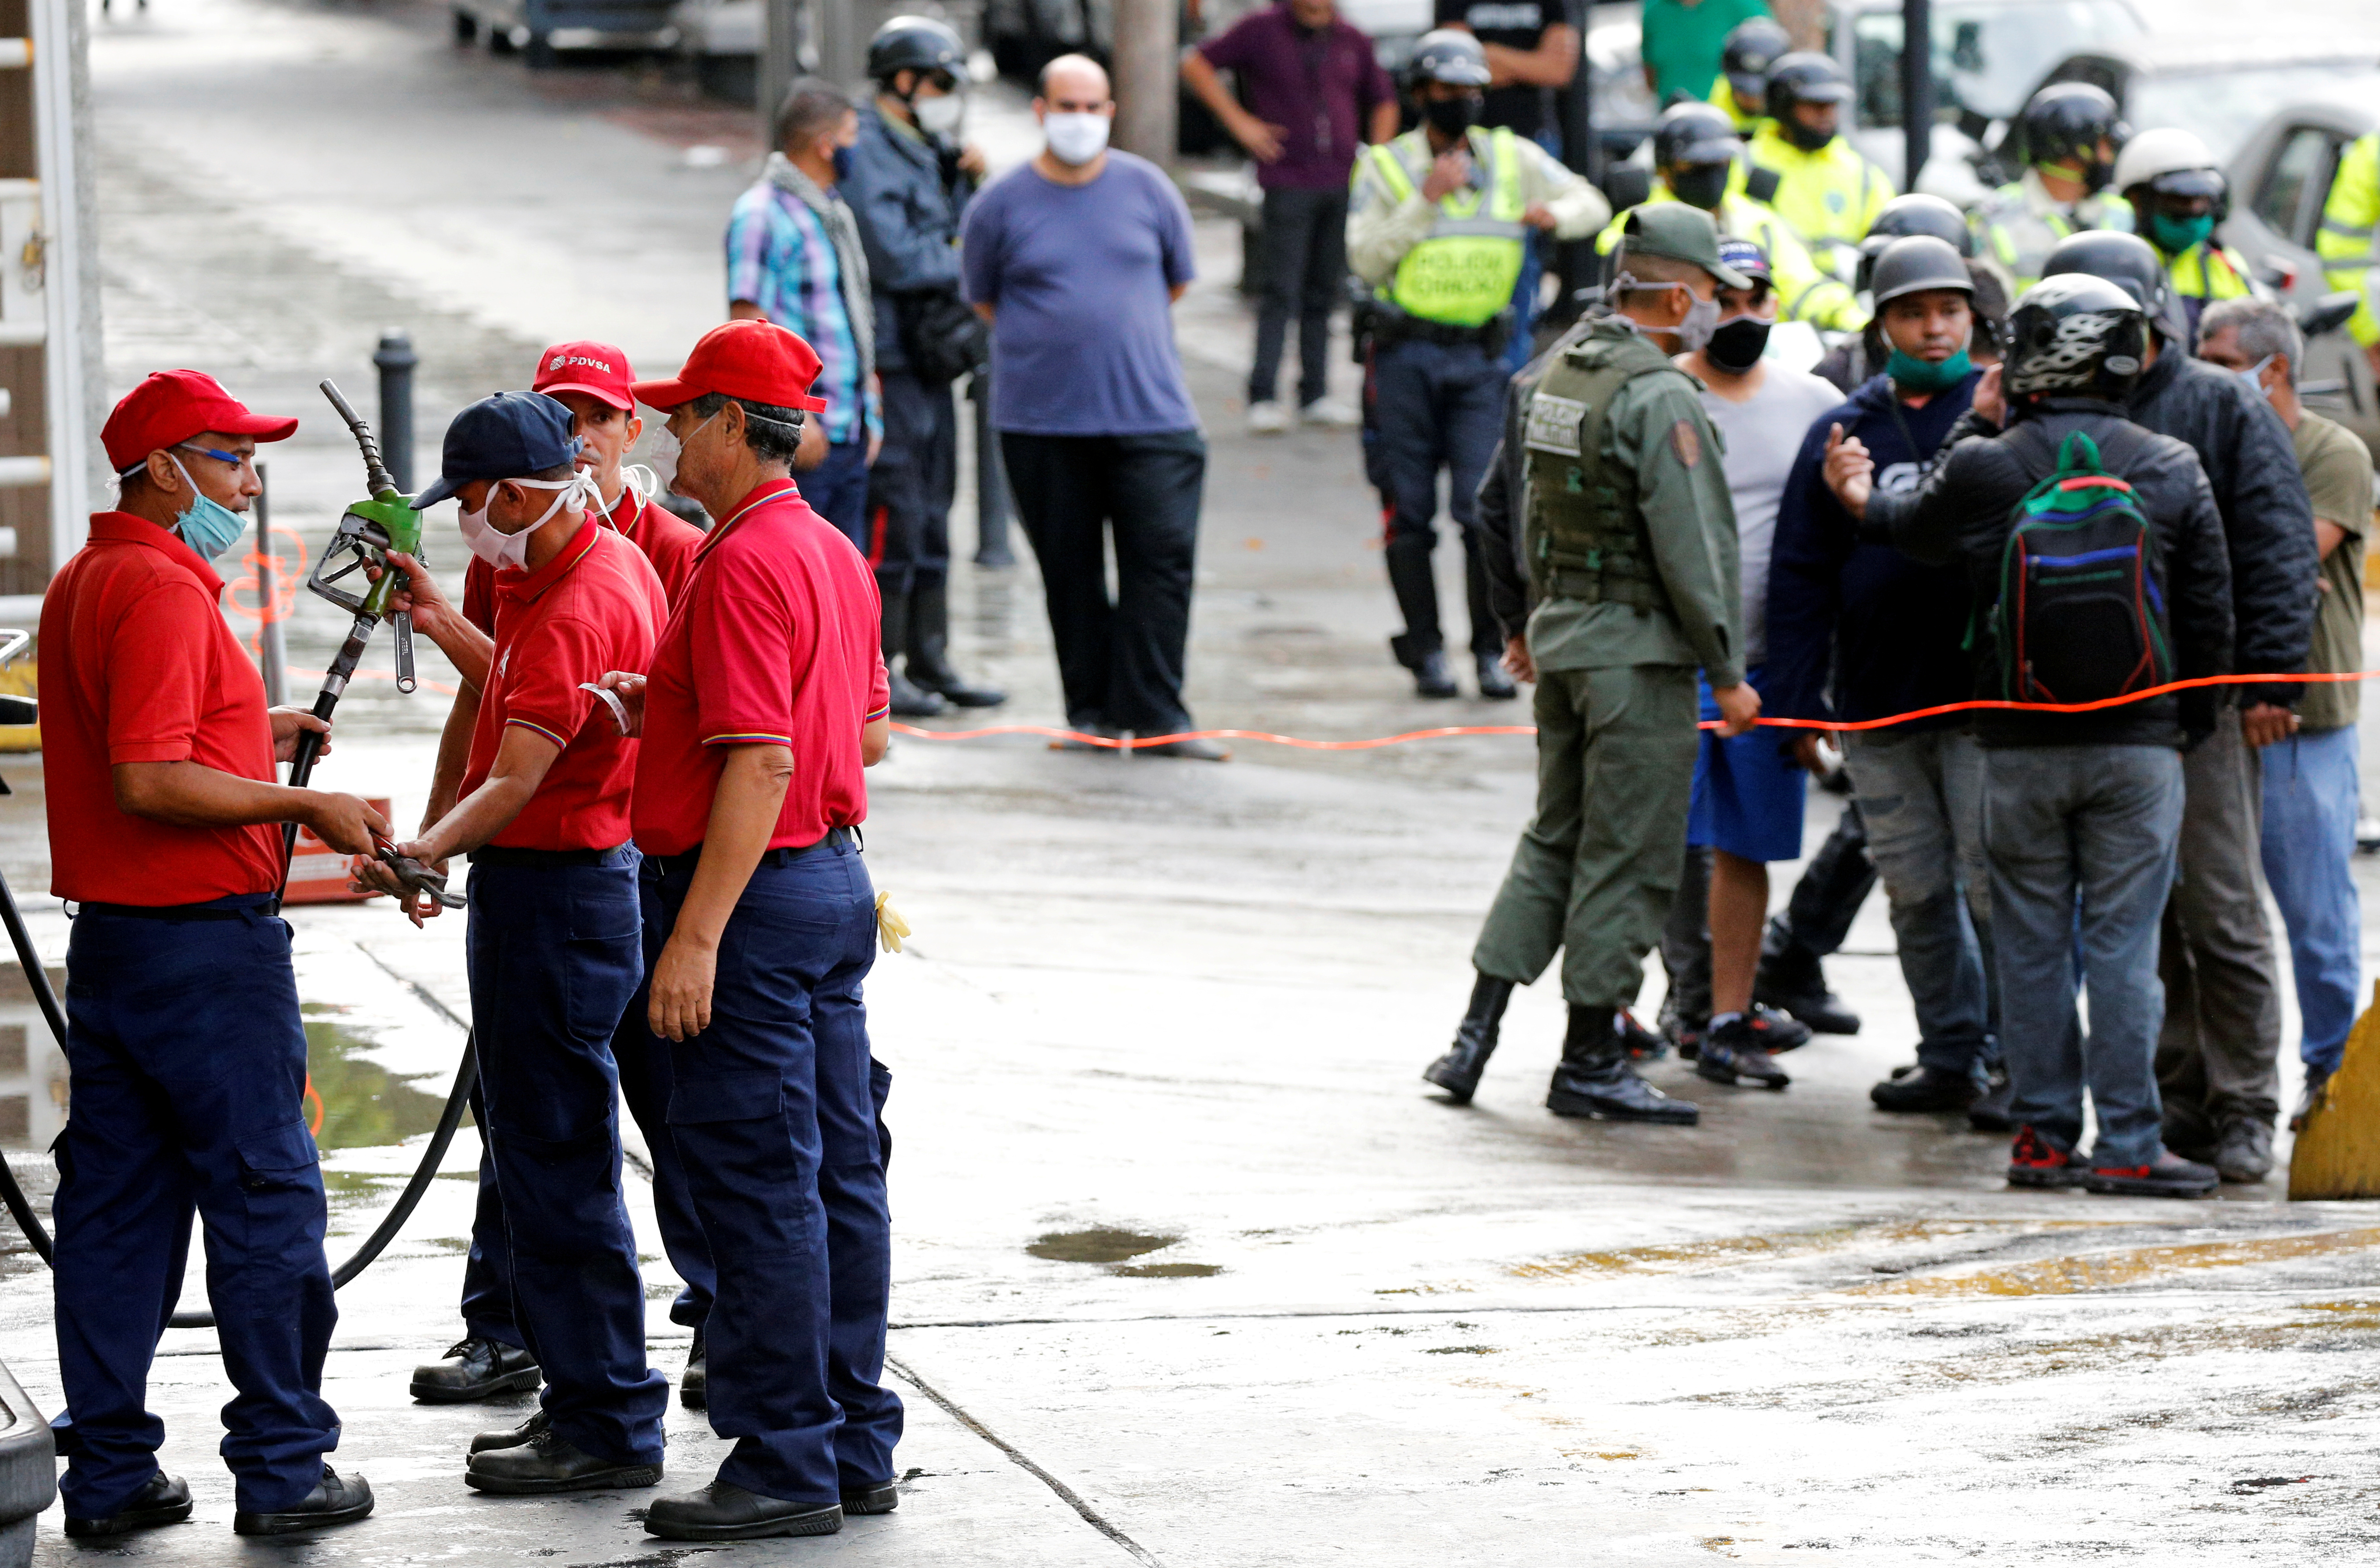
x=593, y=381
x=185, y=1056
x=554, y=946
x=764, y=702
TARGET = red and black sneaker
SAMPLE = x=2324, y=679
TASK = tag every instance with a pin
x=1643, y=1044
x=2035, y=1161
x=2169, y=1176
x=1776, y=1032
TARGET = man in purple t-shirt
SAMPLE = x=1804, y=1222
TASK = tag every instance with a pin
x=1312, y=90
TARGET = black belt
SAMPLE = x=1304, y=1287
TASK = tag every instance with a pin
x=542, y=859
x=240, y=907
x=1395, y=326
x=778, y=858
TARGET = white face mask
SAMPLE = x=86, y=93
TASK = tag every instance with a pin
x=940, y=116
x=510, y=551
x=1075, y=139
x=669, y=449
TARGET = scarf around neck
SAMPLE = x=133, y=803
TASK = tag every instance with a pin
x=851, y=261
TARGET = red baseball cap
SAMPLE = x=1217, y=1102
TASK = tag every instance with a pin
x=596, y=368
x=756, y=360
x=173, y=405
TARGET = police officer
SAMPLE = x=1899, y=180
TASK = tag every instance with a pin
x=1822, y=185
x=1437, y=226
x=1629, y=541
x=2177, y=196
x=762, y=705
x=1699, y=155
x=185, y=1056
x=909, y=180
x=1753, y=46
x=2070, y=131
x=2345, y=242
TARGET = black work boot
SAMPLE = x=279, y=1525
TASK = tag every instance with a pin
x=1732, y=1050
x=336, y=1499
x=475, y=1368
x=1458, y=1071
x=876, y=1497
x=909, y=701
x=694, y=1383
x=725, y=1511
x=1791, y=979
x=1595, y=1078
x=162, y=1499
x=929, y=664
x=550, y=1463
x=1494, y=683
x=536, y=1426
x=1928, y=1089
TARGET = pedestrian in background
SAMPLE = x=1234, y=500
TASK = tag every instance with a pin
x=1683, y=42
x=2083, y=810
x=1094, y=414
x=2312, y=790
x=1314, y=94
x=1858, y=631
x=795, y=258
x=1749, y=793
x=1438, y=227
x=1628, y=540
x=909, y=180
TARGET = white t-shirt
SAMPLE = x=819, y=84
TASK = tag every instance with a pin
x=1763, y=434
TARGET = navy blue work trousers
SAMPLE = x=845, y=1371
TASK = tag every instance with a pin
x=1435, y=407
x=554, y=952
x=186, y=1062
x=775, y=1109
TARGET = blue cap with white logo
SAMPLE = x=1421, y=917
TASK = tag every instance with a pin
x=508, y=436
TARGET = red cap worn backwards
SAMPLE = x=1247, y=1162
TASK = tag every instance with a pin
x=173, y=405
x=596, y=368
x=757, y=362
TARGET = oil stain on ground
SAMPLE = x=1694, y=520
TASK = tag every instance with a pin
x=1116, y=1249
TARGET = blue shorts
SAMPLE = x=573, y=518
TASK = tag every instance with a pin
x=1749, y=792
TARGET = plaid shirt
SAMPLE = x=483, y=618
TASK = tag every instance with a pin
x=779, y=258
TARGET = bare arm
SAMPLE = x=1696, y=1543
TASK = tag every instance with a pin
x=454, y=754
x=190, y=795
x=1551, y=63
x=1384, y=120
x=875, y=741
x=743, y=815
x=470, y=649
x=1261, y=139
x=2327, y=537
x=523, y=758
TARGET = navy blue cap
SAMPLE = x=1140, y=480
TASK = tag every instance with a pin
x=508, y=436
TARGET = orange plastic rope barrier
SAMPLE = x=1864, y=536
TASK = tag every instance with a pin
x=314, y=1099
x=286, y=580
x=1447, y=732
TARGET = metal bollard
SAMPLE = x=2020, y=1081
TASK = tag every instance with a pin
x=991, y=501
x=273, y=648
x=395, y=358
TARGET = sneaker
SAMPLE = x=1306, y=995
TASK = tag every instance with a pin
x=1928, y=1089
x=2169, y=1176
x=2038, y=1162
x=1495, y=684
x=1776, y=1032
x=1329, y=413
x=1266, y=418
x=1732, y=1051
x=2244, y=1154
x=1434, y=677
x=1643, y=1044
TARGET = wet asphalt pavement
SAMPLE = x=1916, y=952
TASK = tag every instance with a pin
x=1157, y=1038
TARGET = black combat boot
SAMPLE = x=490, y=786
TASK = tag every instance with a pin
x=929, y=664
x=909, y=701
x=1458, y=1071
x=1595, y=1078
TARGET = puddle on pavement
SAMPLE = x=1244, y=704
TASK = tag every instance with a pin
x=363, y=1105
x=1116, y=1249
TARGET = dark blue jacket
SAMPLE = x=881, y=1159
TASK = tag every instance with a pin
x=1860, y=631
x=909, y=222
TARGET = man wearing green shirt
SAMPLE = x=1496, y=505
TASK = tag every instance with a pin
x=1683, y=40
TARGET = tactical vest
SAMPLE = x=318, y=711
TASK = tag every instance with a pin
x=1585, y=533
x=1462, y=275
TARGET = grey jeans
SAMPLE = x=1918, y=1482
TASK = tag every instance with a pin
x=2217, y=1056
x=1922, y=795
x=2098, y=824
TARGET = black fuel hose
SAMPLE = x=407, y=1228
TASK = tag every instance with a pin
x=21, y=1208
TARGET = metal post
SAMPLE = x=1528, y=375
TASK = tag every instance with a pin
x=781, y=57
x=1147, y=77
x=992, y=546
x=1916, y=89
x=273, y=648
x=395, y=358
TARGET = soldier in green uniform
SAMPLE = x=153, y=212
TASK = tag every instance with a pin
x=1628, y=541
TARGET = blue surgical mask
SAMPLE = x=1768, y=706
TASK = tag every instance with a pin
x=842, y=164
x=2174, y=236
x=1927, y=376
x=206, y=525
x=2252, y=378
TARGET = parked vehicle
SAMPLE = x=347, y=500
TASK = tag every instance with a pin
x=541, y=28
x=2280, y=178
x=2220, y=88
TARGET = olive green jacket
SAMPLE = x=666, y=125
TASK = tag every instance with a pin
x=1657, y=430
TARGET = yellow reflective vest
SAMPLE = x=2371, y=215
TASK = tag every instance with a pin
x=1464, y=273
x=1831, y=196
x=1805, y=292
x=2345, y=239
x=2204, y=274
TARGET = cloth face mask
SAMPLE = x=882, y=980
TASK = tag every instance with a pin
x=1076, y=139
x=206, y=526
